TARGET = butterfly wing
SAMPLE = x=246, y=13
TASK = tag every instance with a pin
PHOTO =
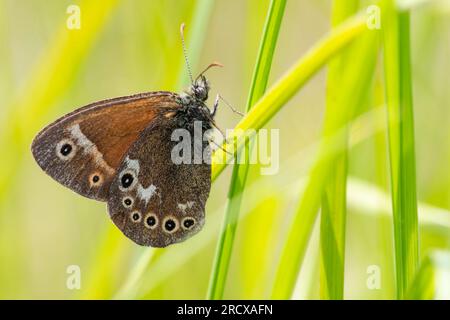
x=83, y=149
x=154, y=201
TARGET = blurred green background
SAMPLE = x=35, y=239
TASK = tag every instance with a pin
x=125, y=47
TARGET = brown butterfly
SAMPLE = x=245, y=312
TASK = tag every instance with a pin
x=119, y=151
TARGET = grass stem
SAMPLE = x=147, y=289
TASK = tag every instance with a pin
x=397, y=56
x=240, y=171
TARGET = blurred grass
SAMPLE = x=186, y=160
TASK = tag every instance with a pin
x=305, y=214
x=349, y=84
x=333, y=208
x=423, y=285
x=369, y=199
x=240, y=171
x=401, y=142
x=51, y=78
x=434, y=270
x=49, y=81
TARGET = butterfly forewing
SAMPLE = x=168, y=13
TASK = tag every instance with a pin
x=83, y=149
x=153, y=200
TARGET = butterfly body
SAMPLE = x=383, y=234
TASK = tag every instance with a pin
x=120, y=151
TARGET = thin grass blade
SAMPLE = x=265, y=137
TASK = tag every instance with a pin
x=333, y=209
x=431, y=278
x=397, y=56
x=240, y=171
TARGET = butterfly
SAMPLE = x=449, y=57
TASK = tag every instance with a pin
x=119, y=151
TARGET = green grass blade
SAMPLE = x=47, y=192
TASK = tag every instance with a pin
x=331, y=149
x=431, y=278
x=401, y=142
x=423, y=285
x=266, y=51
x=348, y=64
x=240, y=171
x=333, y=209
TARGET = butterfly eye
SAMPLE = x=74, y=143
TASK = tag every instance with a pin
x=135, y=216
x=127, y=180
x=127, y=202
x=188, y=223
x=200, y=92
x=170, y=225
x=151, y=221
x=65, y=149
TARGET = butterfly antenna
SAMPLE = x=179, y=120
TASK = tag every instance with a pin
x=214, y=64
x=188, y=66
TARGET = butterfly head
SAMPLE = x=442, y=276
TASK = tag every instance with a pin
x=200, y=89
x=200, y=86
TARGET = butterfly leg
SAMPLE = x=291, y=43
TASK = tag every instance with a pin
x=216, y=104
x=230, y=106
x=219, y=146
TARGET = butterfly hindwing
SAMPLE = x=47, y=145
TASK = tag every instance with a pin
x=153, y=200
x=83, y=149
